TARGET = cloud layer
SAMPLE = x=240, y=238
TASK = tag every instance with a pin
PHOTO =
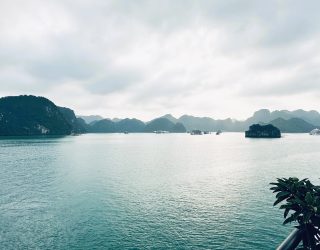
x=145, y=58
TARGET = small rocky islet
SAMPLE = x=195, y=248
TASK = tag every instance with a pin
x=263, y=131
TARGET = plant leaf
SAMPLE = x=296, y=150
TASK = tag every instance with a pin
x=279, y=200
x=283, y=193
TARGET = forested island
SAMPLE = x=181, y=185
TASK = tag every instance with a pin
x=31, y=115
x=263, y=131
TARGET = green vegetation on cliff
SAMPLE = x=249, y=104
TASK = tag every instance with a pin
x=78, y=125
x=32, y=115
x=263, y=131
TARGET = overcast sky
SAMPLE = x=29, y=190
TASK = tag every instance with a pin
x=136, y=58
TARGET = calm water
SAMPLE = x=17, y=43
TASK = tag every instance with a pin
x=147, y=191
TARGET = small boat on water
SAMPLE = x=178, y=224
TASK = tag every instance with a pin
x=315, y=131
x=161, y=132
x=218, y=132
x=196, y=132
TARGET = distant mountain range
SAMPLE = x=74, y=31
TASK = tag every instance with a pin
x=264, y=115
x=91, y=118
x=298, y=121
x=292, y=125
x=31, y=115
x=135, y=126
x=121, y=126
x=164, y=124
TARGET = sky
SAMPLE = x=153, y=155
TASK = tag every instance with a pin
x=146, y=58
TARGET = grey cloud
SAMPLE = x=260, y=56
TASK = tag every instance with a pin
x=163, y=51
x=297, y=84
x=60, y=69
x=281, y=21
x=114, y=81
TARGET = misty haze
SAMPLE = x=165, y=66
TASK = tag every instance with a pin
x=181, y=124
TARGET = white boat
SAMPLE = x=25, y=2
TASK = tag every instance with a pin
x=315, y=131
x=74, y=134
x=161, y=132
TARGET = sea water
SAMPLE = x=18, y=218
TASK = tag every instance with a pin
x=148, y=191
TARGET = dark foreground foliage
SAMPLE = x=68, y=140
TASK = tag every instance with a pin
x=301, y=203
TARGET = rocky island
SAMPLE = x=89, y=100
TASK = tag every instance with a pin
x=263, y=131
x=31, y=115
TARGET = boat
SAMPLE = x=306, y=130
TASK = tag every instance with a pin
x=218, y=132
x=206, y=132
x=161, y=132
x=126, y=132
x=196, y=132
x=315, y=131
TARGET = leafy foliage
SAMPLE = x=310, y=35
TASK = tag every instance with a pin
x=301, y=203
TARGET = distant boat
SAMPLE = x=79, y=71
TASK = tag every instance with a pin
x=74, y=134
x=315, y=131
x=196, y=132
x=218, y=132
x=161, y=132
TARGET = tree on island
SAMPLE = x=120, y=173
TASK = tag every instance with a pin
x=263, y=131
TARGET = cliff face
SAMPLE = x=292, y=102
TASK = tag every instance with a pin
x=77, y=124
x=31, y=115
x=263, y=131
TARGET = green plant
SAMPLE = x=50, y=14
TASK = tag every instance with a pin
x=301, y=203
